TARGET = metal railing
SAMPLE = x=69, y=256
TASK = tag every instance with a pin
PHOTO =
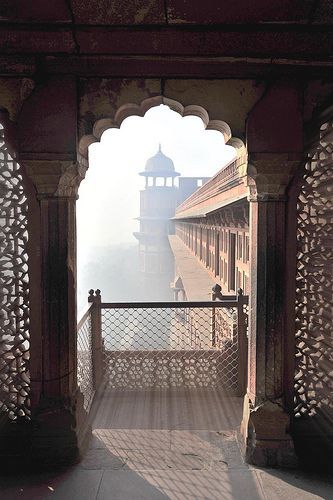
x=172, y=344
x=85, y=358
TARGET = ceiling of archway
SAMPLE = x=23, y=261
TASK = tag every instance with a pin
x=112, y=12
x=285, y=29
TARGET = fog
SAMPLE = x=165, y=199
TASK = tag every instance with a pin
x=115, y=270
x=109, y=197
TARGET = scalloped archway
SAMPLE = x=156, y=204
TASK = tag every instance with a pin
x=132, y=109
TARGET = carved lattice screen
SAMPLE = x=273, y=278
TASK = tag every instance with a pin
x=314, y=330
x=171, y=345
x=14, y=289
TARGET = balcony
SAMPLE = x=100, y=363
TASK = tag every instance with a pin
x=174, y=345
x=162, y=384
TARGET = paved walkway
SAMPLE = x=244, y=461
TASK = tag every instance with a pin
x=195, y=276
x=177, y=444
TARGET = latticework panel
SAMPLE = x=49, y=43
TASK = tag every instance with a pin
x=169, y=347
x=14, y=289
x=227, y=342
x=314, y=334
x=84, y=360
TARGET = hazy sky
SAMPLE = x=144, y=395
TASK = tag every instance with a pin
x=109, y=195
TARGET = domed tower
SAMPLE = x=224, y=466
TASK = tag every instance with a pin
x=157, y=207
x=157, y=167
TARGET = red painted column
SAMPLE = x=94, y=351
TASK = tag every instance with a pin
x=60, y=429
x=275, y=147
x=266, y=422
x=58, y=290
x=265, y=429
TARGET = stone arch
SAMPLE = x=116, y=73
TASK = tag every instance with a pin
x=132, y=109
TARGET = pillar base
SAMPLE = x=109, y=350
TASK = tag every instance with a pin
x=56, y=436
x=264, y=435
x=61, y=432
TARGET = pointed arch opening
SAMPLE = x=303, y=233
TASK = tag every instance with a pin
x=125, y=331
x=132, y=109
x=117, y=122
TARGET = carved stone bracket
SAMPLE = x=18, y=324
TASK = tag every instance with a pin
x=268, y=175
x=14, y=91
x=56, y=177
x=233, y=216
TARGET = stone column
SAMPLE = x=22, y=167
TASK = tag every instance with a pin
x=59, y=429
x=265, y=427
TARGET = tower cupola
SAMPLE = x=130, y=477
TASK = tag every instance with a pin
x=159, y=166
x=160, y=163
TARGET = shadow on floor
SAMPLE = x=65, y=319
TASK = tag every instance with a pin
x=206, y=409
x=161, y=444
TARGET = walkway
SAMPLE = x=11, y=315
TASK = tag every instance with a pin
x=161, y=444
x=195, y=276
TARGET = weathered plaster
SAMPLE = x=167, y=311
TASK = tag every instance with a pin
x=316, y=94
x=100, y=98
x=13, y=91
x=48, y=119
x=180, y=11
x=113, y=12
x=227, y=100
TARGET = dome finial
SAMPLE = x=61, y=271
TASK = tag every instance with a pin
x=159, y=163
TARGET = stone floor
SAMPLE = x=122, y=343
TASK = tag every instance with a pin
x=178, y=444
